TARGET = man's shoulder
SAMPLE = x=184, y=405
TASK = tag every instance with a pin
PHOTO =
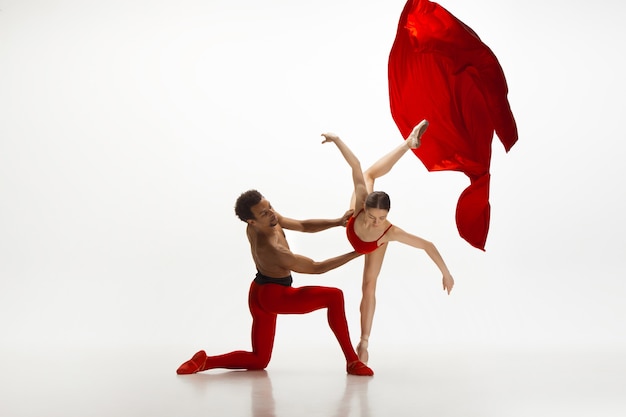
x=269, y=245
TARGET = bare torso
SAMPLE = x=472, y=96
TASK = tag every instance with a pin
x=266, y=248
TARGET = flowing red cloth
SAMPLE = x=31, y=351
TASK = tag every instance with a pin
x=440, y=70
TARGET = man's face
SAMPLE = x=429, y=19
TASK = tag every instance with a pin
x=264, y=214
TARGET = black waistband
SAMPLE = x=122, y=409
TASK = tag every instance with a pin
x=262, y=280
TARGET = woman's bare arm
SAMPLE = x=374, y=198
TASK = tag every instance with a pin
x=399, y=235
x=360, y=189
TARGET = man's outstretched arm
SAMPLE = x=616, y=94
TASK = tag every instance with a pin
x=304, y=265
x=313, y=225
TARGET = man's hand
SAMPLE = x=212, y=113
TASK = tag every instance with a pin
x=346, y=217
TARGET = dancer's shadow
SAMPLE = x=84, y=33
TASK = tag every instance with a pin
x=356, y=387
x=262, y=397
x=263, y=404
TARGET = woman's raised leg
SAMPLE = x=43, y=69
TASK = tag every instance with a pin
x=384, y=164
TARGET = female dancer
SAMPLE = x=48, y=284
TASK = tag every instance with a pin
x=369, y=229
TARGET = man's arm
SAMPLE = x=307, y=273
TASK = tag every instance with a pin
x=313, y=225
x=304, y=265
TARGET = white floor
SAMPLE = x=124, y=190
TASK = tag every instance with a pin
x=135, y=382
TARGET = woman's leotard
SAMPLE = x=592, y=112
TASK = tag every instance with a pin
x=359, y=245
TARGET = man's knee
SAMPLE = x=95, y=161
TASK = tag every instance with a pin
x=260, y=363
x=336, y=296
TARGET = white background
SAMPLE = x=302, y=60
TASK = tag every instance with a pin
x=129, y=128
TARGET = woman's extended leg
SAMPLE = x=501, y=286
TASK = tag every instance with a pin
x=384, y=164
x=371, y=269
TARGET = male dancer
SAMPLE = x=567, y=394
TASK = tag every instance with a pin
x=271, y=292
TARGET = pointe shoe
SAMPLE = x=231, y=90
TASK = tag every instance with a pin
x=415, y=138
x=359, y=368
x=361, y=350
x=193, y=365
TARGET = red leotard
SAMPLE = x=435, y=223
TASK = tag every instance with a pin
x=359, y=245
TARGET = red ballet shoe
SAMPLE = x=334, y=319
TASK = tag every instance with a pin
x=359, y=368
x=193, y=365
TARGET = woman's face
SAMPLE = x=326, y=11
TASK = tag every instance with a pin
x=375, y=217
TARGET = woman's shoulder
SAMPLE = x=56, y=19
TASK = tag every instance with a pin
x=391, y=230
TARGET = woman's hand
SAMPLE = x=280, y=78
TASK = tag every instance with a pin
x=448, y=282
x=329, y=137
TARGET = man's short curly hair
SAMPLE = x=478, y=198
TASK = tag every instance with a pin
x=245, y=201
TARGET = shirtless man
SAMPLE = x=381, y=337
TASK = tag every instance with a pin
x=271, y=292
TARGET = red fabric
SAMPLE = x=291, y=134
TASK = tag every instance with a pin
x=441, y=71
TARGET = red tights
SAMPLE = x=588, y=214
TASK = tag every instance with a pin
x=266, y=302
